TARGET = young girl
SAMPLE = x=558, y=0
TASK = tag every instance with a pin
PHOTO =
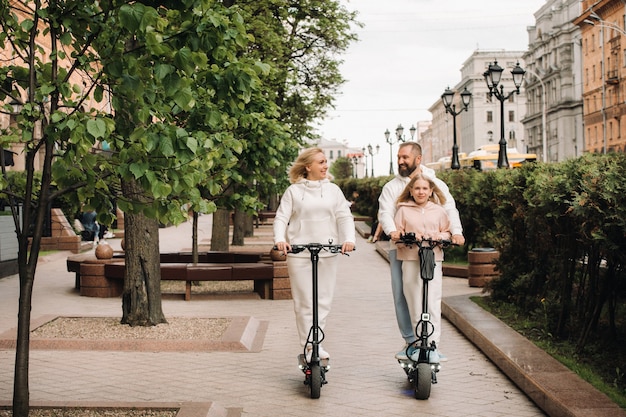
x=420, y=211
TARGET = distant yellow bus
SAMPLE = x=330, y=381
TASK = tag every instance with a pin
x=485, y=158
x=443, y=164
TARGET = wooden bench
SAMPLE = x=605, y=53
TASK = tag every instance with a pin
x=263, y=216
x=271, y=279
x=261, y=273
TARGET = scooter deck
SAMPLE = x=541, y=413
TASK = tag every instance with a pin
x=325, y=363
x=407, y=362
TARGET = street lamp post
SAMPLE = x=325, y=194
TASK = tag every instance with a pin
x=448, y=97
x=371, y=153
x=366, y=156
x=356, y=160
x=492, y=78
x=399, y=138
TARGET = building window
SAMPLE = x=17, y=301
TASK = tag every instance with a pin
x=593, y=42
x=339, y=153
x=489, y=117
x=331, y=154
x=595, y=103
x=511, y=115
x=512, y=98
x=593, y=73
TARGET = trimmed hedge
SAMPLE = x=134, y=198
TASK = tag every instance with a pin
x=561, y=232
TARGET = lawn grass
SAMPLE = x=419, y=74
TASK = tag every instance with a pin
x=602, y=364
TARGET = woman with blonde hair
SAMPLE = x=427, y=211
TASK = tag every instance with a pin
x=312, y=210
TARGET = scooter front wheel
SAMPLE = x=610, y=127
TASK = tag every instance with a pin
x=423, y=380
x=316, y=380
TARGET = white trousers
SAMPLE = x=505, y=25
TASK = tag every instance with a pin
x=413, y=287
x=301, y=278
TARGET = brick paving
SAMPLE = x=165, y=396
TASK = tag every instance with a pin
x=361, y=335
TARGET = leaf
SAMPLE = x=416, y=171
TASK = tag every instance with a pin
x=98, y=93
x=138, y=169
x=96, y=128
x=131, y=15
x=66, y=38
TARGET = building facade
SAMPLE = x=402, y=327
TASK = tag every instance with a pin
x=334, y=150
x=554, y=82
x=603, y=30
x=481, y=123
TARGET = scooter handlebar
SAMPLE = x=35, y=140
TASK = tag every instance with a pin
x=332, y=248
x=409, y=239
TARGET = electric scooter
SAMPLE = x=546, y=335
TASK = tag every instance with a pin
x=315, y=369
x=422, y=365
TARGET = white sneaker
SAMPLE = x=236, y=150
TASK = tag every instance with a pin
x=323, y=354
x=436, y=357
x=401, y=355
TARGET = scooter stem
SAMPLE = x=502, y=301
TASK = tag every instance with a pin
x=315, y=354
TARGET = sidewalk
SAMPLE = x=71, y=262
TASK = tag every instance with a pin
x=361, y=335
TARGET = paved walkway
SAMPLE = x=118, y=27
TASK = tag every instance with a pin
x=361, y=335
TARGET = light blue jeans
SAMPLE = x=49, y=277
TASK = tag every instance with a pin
x=402, y=309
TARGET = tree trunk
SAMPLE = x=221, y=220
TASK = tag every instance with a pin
x=21, y=391
x=194, y=239
x=141, y=299
x=219, y=233
x=274, y=201
x=249, y=226
x=27, y=265
x=239, y=228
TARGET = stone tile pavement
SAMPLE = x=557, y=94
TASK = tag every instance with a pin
x=361, y=335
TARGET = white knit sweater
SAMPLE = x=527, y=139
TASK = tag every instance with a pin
x=388, y=201
x=314, y=212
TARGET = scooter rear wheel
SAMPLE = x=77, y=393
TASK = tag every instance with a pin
x=316, y=381
x=423, y=380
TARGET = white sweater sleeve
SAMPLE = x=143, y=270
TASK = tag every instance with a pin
x=450, y=206
x=345, y=219
x=283, y=213
x=387, y=208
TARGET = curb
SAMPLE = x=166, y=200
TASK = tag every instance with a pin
x=551, y=385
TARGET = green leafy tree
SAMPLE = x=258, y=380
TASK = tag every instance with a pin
x=302, y=42
x=342, y=168
x=165, y=87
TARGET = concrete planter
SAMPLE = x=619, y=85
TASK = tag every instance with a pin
x=482, y=268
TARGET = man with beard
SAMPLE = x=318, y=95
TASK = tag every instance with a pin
x=409, y=164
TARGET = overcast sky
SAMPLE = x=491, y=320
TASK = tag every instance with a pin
x=408, y=53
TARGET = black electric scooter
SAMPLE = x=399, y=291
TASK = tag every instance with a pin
x=315, y=369
x=421, y=366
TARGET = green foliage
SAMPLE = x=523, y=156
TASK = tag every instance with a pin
x=596, y=363
x=303, y=41
x=561, y=233
x=342, y=168
x=368, y=190
x=300, y=45
x=560, y=230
